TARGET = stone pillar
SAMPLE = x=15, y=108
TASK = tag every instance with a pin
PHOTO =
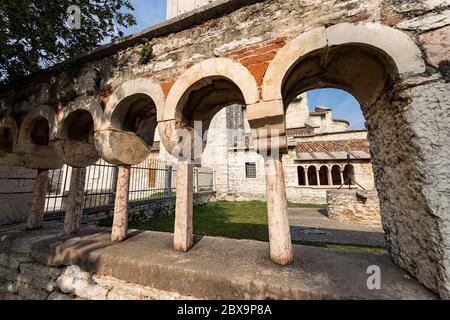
x=183, y=237
x=36, y=213
x=342, y=177
x=330, y=177
x=75, y=201
x=278, y=220
x=318, y=177
x=306, y=177
x=120, y=221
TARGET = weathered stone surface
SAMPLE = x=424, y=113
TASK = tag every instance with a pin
x=354, y=206
x=75, y=281
x=428, y=22
x=437, y=45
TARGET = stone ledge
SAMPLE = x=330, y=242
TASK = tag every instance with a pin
x=216, y=268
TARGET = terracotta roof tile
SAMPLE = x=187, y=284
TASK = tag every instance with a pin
x=358, y=149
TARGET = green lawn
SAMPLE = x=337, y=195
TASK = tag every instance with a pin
x=236, y=220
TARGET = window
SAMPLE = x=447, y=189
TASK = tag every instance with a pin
x=312, y=176
x=250, y=170
x=301, y=176
x=323, y=176
x=336, y=175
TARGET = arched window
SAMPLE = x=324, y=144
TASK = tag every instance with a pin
x=323, y=176
x=312, y=176
x=336, y=175
x=301, y=176
x=349, y=175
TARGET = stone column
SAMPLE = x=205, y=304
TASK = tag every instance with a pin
x=36, y=213
x=278, y=220
x=330, y=177
x=318, y=177
x=342, y=177
x=74, y=212
x=306, y=177
x=120, y=221
x=183, y=237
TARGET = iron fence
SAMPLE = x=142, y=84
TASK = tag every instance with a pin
x=152, y=179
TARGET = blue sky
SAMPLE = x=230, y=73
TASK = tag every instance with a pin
x=344, y=105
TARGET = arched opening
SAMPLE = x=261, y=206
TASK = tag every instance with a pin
x=323, y=176
x=312, y=176
x=336, y=176
x=40, y=132
x=349, y=175
x=138, y=114
x=79, y=126
x=301, y=176
x=6, y=140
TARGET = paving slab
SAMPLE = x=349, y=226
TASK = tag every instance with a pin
x=216, y=268
x=313, y=225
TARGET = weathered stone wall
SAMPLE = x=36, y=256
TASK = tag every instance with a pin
x=23, y=278
x=16, y=188
x=354, y=206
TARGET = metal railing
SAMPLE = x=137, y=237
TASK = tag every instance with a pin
x=152, y=179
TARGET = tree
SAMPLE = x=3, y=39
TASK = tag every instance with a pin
x=36, y=34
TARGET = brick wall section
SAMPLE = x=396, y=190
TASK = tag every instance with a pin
x=354, y=206
x=257, y=57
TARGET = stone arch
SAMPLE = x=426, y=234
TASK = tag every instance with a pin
x=336, y=175
x=206, y=71
x=323, y=176
x=405, y=54
x=349, y=174
x=74, y=133
x=131, y=117
x=199, y=94
x=312, y=176
x=301, y=176
x=34, y=119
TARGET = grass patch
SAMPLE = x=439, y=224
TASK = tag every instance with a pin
x=236, y=220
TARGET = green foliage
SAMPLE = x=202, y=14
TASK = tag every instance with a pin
x=146, y=53
x=68, y=96
x=34, y=34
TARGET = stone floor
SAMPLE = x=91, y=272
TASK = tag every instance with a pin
x=314, y=225
x=215, y=268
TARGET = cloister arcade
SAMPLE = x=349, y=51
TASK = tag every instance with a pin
x=326, y=175
x=357, y=58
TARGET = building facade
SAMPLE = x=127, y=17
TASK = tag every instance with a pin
x=323, y=155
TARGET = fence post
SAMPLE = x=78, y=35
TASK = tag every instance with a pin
x=115, y=175
x=196, y=180
x=168, y=186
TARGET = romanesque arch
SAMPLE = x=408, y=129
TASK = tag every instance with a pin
x=372, y=62
x=130, y=122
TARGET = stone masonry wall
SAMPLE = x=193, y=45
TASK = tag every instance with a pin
x=22, y=278
x=16, y=188
x=144, y=210
x=354, y=206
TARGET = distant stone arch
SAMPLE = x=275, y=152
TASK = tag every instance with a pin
x=34, y=125
x=405, y=54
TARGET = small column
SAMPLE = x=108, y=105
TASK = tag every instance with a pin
x=183, y=237
x=278, y=220
x=120, y=222
x=74, y=212
x=342, y=177
x=306, y=177
x=318, y=177
x=36, y=213
x=330, y=177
